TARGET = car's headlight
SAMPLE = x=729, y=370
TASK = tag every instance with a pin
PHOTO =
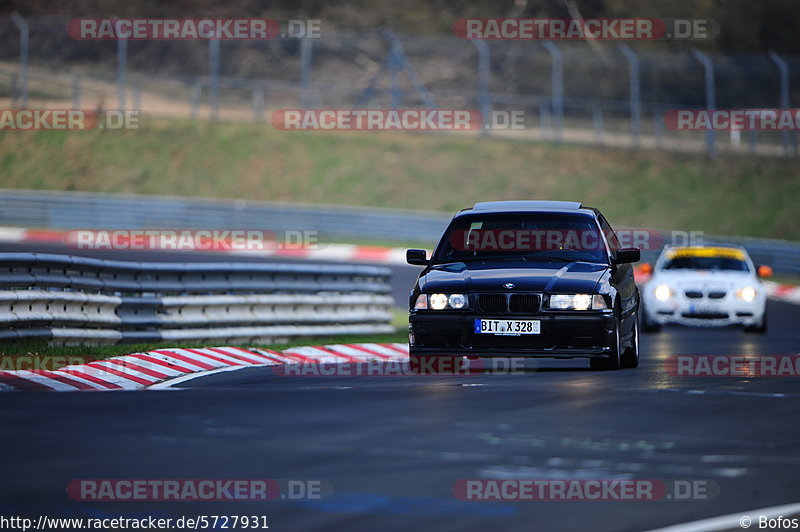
x=438, y=301
x=662, y=292
x=457, y=301
x=441, y=301
x=577, y=302
x=748, y=293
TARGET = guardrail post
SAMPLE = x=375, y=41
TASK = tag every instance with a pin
x=711, y=102
x=484, y=98
x=305, y=71
x=784, y=72
x=24, y=41
x=635, y=93
x=557, y=91
x=122, y=71
x=213, y=74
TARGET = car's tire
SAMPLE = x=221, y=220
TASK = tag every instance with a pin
x=611, y=363
x=434, y=365
x=761, y=327
x=648, y=325
x=630, y=356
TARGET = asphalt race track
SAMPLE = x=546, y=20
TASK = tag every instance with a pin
x=392, y=448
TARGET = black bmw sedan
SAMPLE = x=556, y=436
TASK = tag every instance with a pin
x=529, y=279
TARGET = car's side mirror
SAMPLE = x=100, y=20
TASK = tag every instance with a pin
x=764, y=271
x=646, y=268
x=417, y=257
x=628, y=255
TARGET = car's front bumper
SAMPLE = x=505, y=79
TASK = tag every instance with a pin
x=587, y=334
x=728, y=311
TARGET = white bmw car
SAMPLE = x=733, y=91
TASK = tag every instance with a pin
x=706, y=287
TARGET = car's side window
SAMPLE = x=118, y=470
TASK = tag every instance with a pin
x=611, y=236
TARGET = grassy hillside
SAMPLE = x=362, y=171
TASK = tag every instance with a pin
x=734, y=196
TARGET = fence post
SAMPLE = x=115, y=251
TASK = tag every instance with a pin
x=258, y=104
x=14, y=90
x=784, y=71
x=557, y=80
x=136, y=102
x=597, y=122
x=196, y=95
x=635, y=93
x=213, y=74
x=24, y=40
x=484, y=98
x=305, y=73
x=122, y=74
x=76, y=92
x=394, y=71
x=711, y=102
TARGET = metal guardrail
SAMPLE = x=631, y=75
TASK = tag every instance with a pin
x=86, y=300
x=72, y=210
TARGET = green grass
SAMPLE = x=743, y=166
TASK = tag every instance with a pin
x=62, y=355
x=735, y=195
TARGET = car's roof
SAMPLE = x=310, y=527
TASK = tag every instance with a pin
x=486, y=207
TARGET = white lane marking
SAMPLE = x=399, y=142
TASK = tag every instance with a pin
x=189, y=376
x=732, y=521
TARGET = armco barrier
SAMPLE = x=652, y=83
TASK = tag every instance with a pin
x=77, y=299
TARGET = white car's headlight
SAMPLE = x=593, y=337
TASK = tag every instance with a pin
x=577, y=302
x=748, y=293
x=662, y=292
x=441, y=301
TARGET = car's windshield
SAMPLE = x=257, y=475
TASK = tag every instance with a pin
x=727, y=259
x=523, y=236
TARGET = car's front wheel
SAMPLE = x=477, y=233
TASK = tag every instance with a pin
x=760, y=327
x=630, y=356
x=612, y=362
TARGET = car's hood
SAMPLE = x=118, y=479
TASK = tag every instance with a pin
x=703, y=279
x=578, y=277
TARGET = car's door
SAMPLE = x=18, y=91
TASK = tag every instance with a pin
x=622, y=276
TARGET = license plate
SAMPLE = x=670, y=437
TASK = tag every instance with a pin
x=507, y=327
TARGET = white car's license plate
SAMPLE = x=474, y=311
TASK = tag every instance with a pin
x=507, y=327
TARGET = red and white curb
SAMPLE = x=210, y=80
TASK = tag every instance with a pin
x=156, y=369
x=333, y=252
